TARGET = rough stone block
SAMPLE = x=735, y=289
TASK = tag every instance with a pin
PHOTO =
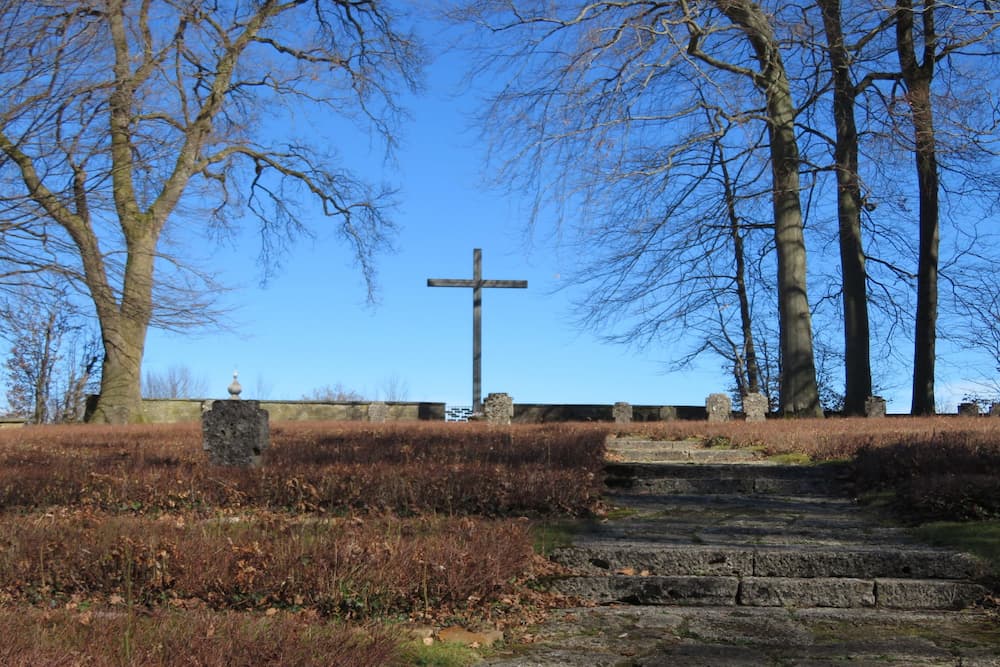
x=874, y=407
x=621, y=557
x=653, y=590
x=668, y=413
x=926, y=594
x=793, y=592
x=498, y=408
x=755, y=407
x=718, y=407
x=968, y=410
x=622, y=413
x=995, y=410
x=235, y=433
x=378, y=412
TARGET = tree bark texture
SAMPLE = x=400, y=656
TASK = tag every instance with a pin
x=857, y=344
x=917, y=76
x=799, y=392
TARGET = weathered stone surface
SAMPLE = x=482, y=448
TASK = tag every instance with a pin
x=378, y=412
x=235, y=433
x=874, y=407
x=611, y=636
x=652, y=590
x=796, y=592
x=622, y=412
x=668, y=413
x=995, y=410
x=636, y=558
x=718, y=407
x=498, y=408
x=968, y=410
x=867, y=563
x=926, y=593
x=755, y=407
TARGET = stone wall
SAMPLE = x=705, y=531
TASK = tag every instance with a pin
x=156, y=411
x=533, y=413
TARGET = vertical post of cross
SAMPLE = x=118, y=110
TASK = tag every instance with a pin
x=477, y=284
x=477, y=330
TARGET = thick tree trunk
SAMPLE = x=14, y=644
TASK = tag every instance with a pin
x=918, y=76
x=857, y=344
x=120, y=401
x=123, y=331
x=925, y=334
x=799, y=392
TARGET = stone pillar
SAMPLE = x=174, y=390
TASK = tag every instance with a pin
x=718, y=407
x=968, y=410
x=755, y=407
x=874, y=407
x=378, y=412
x=622, y=412
x=995, y=410
x=668, y=413
x=235, y=433
x=498, y=409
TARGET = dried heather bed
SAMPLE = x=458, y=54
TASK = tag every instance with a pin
x=105, y=530
x=943, y=467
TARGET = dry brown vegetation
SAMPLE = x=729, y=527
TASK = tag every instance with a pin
x=126, y=546
x=122, y=546
x=935, y=467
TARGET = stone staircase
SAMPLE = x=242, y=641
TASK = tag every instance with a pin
x=720, y=528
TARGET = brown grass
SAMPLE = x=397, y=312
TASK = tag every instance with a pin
x=828, y=439
x=937, y=467
x=76, y=636
x=407, y=469
x=351, y=568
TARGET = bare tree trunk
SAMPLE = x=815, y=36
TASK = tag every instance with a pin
x=799, y=392
x=748, y=363
x=917, y=76
x=123, y=331
x=857, y=344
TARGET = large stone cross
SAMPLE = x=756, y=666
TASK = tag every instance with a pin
x=477, y=284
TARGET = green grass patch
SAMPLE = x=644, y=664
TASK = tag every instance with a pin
x=547, y=536
x=981, y=538
x=791, y=458
x=440, y=654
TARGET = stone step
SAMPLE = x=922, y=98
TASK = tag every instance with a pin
x=909, y=594
x=862, y=562
x=723, y=479
x=657, y=455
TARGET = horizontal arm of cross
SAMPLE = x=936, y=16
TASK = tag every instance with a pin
x=457, y=282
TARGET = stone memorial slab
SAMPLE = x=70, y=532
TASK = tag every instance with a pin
x=718, y=407
x=874, y=407
x=622, y=412
x=378, y=412
x=498, y=408
x=968, y=410
x=755, y=407
x=235, y=433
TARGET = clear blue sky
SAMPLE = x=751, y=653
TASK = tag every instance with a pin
x=310, y=325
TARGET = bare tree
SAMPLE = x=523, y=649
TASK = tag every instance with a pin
x=124, y=120
x=598, y=111
x=936, y=112
x=52, y=358
x=177, y=382
x=337, y=392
